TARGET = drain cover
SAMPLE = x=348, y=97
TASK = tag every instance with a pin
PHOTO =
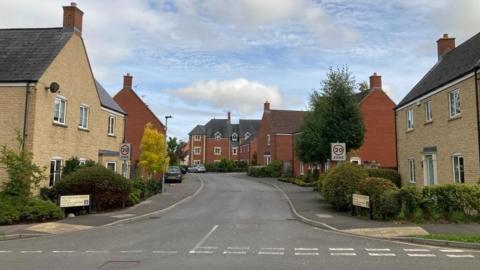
x=119, y=265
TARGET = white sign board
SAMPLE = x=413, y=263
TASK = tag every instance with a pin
x=74, y=200
x=125, y=151
x=339, y=152
x=361, y=200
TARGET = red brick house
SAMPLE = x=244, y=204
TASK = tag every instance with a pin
x=220, y=139
x=138, y=115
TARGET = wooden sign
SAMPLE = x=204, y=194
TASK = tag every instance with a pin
x=361, y=200
x=74, y=201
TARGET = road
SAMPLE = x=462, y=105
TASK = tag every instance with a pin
x=232, y=223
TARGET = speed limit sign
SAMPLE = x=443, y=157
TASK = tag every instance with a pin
x=339, y=152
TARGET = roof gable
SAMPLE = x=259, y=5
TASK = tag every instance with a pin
x=287, y=122
x=106, y=100
x=128, y=98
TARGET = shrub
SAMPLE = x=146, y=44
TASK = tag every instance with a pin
x=375, y=187
x=227, y=166
x=108, y=190
x=411, y=198
x=48, y=194
x=134, y=197
x=384, y=202
x=257, y=171
x=274, y=169
x=140, y=186
x=312, y=176
x=389, y=174
x=321, y=180
x=296, y=181
x=388, y=204
x=9, y=213
x=39, y=210
x=73, y=164
x=153, y=187
x=340, y=183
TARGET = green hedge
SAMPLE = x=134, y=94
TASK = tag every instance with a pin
x=297, y=181
x=227, y=166
x=20, y=209
x=273, y=169
x=257, y=171
x=383, y=196
x=389, y=174
x=142, y=189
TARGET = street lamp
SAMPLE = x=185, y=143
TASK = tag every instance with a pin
x=166, y=150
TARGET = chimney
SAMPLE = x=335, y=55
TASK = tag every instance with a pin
x=444, y=45
x=266, y=106
x=375, y=81
x=229, y=116
x=127, y=81
x=72, y=18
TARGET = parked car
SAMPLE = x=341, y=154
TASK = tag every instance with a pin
x=174, y=175
x=192, y=169
x=197, y=169
x=201, y=169
x=183, y=169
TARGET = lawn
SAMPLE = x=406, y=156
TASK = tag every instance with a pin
x=468, y=238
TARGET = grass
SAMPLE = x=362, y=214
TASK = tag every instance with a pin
x=467, y=238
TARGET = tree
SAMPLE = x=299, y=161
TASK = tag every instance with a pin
x=175, y=150
x=334, y=116
x=23, y=174
x=363, y=86
x=153, y=153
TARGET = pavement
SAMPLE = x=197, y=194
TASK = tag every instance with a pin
x=173, y=194
x=232, y=223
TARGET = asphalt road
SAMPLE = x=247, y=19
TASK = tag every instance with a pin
x=232, y=224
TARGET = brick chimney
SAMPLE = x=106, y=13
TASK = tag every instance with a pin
x=72, y=18
x=444, y=45
x=266, y=106
x=229, y=116
x=375, y=81
x=127, y=81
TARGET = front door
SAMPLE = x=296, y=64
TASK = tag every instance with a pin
x=430, y=170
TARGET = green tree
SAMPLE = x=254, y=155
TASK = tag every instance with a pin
x=175, y=150
x=363, y=86
x=153, y=152
x=23, y=174
x=334, y=116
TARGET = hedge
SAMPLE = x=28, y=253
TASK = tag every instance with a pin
x=297, y=181
x=273, y=169
x=383, y=196
x=227, y=166
x=389, y=174
x=20, y=209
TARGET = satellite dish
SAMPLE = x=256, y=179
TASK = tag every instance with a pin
x=54, y=87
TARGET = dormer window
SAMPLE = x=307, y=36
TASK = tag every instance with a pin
x=247, y=135
x=234, y=137
x=218, y=135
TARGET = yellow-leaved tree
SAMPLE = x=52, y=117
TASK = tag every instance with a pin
x=153, y=153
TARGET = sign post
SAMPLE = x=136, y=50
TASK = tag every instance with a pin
x=125, y=153
x=338, y=152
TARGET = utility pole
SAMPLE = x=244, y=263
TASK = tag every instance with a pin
x=166, y=151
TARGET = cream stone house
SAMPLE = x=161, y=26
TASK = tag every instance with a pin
x=49, y=94
x=438, y=122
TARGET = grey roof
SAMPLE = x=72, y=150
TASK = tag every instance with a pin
x=198, y=130
x=250, y=126
x=218, y=125
x=106, y=100
x=453, y=65
x=361, y=95
x=25, y=54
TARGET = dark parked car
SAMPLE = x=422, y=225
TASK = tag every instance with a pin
x=174, y=175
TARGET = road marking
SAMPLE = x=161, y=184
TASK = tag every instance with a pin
x=131, y=251
x=343, y=254
x=341, y=249
x=200, y=252
x=235, y=252
x=271, y=248
x=206, y=248
x=31, y=251
x=377, y=249
x=270, y=253
x=97, y=251
x=205, y=237
x=382, y=254
x=123, y=216
x=416, y=250
x=63, y=251
x=421, y=255
x=238, y=248
x=306, y=253
x=164, y=252
x=306, y=249
x=452, y=250
x=460, y=256
x=5, y=251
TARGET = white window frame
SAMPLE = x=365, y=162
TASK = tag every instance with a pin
x=411, y=170
x=111, y=125
x=268, y=159
x=425, y=169
x=114, y=165
x=197, y=150
x=234, y=137
x=268, y=139
x=84, y=116
x=217, y=150
x=410, y=119
x=60, y=100
x=428, y=111
x=459, y=173
x=302, y=171
x=455, y=110
x=356, y=160
x=57, y=171
x=234, y=151
x=218, y=135
x=197, y=138
x=197, y=162
x=82, y=161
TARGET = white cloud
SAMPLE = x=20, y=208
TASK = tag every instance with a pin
x=239, y=95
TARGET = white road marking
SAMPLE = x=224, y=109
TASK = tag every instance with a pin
x=97, y=251
x=341, y=249
x=271, y=248
x=306, y=253
x=131, y=251
x=421, y=255
x=238, y=248
x=460, y=256
x=382, y=254
x=343, y=254
x=377, y=249
x=31, y=251
x=5, y=251
x=306, y=249
x=164, y=252
x=205, y=237
x=235, y=252
x=206, y=248
x=270, y=253
x=63, y=251
x=416, y=250
x=452, y=250
x=200, y=252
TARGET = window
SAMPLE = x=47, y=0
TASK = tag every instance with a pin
x=302, y=172
x=111, y=125
x=55, y=171
x=197, y=138
x=234, y=137
x=428, y=111
x=217, y=150
x=60, y=110
x=454, y=101
x=218, y=135
x=411, y=170
x=247, y=135
x=458, y=170
x=268, y=139
x=410, y=119
x=197, y=150
x=234, y=151
x=268, y=159
x=112, y=165
x=356, y=160
x=196, y=162
x=83, y=117
x=82, y=161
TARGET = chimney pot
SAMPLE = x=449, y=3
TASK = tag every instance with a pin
x=127, y=81
x=266, y=106
x=444, y=45
x=375, y=81
x=73, y=18
x=229, y=116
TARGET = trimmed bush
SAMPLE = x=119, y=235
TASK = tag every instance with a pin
x=297, y=181
x=135, y=197
x=384, y=203
x=389, y=174
x=21, y=209
x=108, y=189
x=226, y=166
x=375, y=187
x=257, y=171
x=340, y=183
x=388, y=204
x=153, y=187
x=274, y=169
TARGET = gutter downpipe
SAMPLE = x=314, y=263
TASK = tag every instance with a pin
x=477, y=67
x=396, y=137
x=25, y=115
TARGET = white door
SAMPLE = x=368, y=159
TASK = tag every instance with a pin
x=430, y=170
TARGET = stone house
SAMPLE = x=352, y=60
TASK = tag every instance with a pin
x=50, y=96
x=438, y=121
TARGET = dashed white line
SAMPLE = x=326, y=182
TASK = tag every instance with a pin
x=238, y=248
x=31, y=251
x=306, y=253
x=416, y=250
x=271, y=248
x=200, y=252
x=164, y=252
x=206, y=248
x=377, y=249
x=97, y=251
x=460, y=256
x=5, y=251
x=270, y=253
x=343, y=254
x=421, y=255
x=63, y=251
x=341, y=249
x=306, y=249
x=382, y=254
x=452, y=250
x=131, y=251
x=235, y=252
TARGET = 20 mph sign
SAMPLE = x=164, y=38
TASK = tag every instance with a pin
x=338, y=152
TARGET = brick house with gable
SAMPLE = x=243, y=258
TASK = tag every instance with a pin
x=138, y=115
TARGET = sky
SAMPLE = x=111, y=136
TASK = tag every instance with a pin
x=199, y=59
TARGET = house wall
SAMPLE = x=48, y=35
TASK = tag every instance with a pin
x=223, y=143
x=194, y=144
x=263, y=149
x=379, y=120
x=450, y=136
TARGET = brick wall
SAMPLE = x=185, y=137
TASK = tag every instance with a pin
x=211, y=143
x=194, y=144
x=262, y=147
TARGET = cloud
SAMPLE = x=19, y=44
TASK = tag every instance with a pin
x=239, y=95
